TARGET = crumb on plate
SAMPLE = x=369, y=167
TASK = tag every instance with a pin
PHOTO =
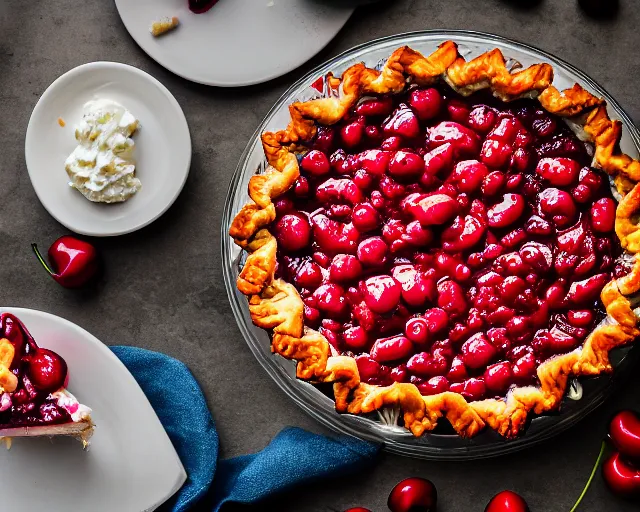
x=61, y=122
x=163, y=26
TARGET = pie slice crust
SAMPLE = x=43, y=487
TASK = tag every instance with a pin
x=276, y=305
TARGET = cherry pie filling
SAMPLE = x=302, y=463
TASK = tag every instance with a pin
x=39, y=372
x=454, y=243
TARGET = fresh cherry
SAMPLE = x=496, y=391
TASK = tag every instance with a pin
x=413, y=495
x=624, y=431
x=46, y=370
x=507, y=501
x=621, y=477
x=74, y=263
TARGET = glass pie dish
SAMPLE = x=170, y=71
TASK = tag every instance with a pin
x=583, y=396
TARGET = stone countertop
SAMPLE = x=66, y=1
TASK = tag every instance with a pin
x=164, y=288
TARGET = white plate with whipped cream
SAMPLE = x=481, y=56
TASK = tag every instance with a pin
x=130, y=463
x=108, y=149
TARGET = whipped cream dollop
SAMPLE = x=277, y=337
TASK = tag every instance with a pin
x=68, y=402
x=102, y=167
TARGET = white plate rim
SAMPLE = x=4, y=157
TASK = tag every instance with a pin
x=70, y=75
x=108, y=354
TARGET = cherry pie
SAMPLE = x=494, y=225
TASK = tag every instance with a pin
x=441, y=236
x=33, y=398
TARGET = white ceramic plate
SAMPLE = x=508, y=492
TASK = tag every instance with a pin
x=130, y=465
x=162, y=152
x=237, y=42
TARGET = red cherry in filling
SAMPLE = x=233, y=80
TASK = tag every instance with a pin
x=463, y=234
x=46, y=370
x=426, y=365
x=469, y=175
x=495, y=153
x=560, y=172
x=339, y=190
x=315, y=163
x=345, y=267
x=603, y=215
x=437, y=320
x=375, y=161
x=482, y=119
x=465, y=142
x=426, y=103
x=624, y=431
x=436, y=161
x=434, y=386
x=357, y=509
x=621, y=478
x=477, y=352
x=471, y=389
x=373, y=251
x=405, y=166
x=507, y=211
x=309, y=275
x=375, y=107
x=492, y=184
x=367, y=367
x=351, y=135
x=435, y=209
x=498, y=377
x=334, y=237
x=355, y=338
x=382, y=293
x=365, y=217
x=558, y=205
x=507, y=501
x=417, y=330
x=416, y=288
x=391, y=349
x=451, y=297
x=413, y=495
x=586, y=291
x=580, y=317
x=402, y=122
x=330, y=299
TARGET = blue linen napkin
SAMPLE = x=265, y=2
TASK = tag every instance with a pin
x=292, y=458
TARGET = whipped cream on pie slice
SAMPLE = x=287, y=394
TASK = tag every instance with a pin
x=33, y=398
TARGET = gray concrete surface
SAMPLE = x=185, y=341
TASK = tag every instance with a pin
x=164, y=288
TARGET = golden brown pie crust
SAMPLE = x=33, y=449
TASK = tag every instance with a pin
x=276, y=305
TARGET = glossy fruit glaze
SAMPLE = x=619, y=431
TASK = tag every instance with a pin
x=40, y=372
x=455, y=243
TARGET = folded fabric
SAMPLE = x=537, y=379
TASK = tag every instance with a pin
x=293, y=457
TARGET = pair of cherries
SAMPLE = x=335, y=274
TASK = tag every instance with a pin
x=419, y=495
x=621, y=471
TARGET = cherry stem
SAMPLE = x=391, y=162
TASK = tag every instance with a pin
x=41, y=259
x=593, y=472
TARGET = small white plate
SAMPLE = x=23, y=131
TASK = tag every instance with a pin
x=236, y=42
x=162, y=152
x=130, y=464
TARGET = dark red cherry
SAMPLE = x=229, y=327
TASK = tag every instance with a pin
x=624, y=431
x=413, y=495
x=46, y=370
x=622, y=478
x=426, y=103
x=293, y=232
x=507, y=501
x=315, y=163
x=402, y=122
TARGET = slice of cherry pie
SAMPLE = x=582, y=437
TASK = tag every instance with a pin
x=441, y=236
x=33, y=398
